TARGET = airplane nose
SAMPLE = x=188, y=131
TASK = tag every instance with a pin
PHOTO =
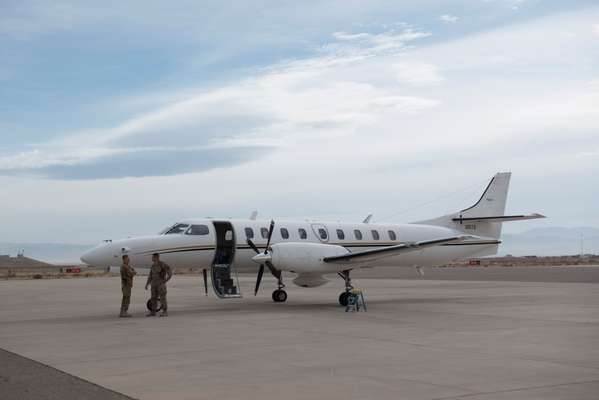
x=94, y=257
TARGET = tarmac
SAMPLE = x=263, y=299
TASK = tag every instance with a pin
x=491, y=339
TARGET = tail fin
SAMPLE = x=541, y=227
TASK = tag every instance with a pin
x=486, y=217
x=492, y=202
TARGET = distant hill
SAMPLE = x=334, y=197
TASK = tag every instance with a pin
x=49, y=252
x=553, y=241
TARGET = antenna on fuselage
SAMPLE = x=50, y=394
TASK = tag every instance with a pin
x=254, y=215
x=367, y=219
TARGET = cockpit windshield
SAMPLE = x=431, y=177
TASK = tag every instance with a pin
x=177, y=229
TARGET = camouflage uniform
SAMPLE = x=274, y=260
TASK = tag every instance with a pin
x=127, y=274
x=160, y=273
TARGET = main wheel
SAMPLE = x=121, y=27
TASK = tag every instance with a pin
x=158, y=305
x=343, y=299
x=279, y=296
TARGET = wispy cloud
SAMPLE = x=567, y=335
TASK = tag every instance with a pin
x=448, y=18
x=296, y=98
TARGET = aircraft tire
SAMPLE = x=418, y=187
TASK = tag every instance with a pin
x=149, y=305
x=343, y=299
x=279, y=296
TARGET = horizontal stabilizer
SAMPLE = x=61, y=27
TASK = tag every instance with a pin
x=375, y=254
x=499, y=218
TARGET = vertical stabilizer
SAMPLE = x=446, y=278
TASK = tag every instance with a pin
x=491, y=204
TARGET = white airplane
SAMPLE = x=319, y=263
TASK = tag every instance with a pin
x=313, y=249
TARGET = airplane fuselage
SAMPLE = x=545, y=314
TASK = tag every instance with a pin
x=194, y=243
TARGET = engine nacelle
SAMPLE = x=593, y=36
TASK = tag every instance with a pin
x=310, y=280
x=306, y=257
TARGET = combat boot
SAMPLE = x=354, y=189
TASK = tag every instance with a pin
x=164, y=313
x=124, y=314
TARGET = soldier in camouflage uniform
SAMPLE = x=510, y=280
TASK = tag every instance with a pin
x=160, y=274
x=127, y=274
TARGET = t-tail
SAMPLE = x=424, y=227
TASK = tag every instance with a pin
x=486, y=217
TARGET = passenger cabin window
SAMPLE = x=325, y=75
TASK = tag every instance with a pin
x=375, y=234
x=284, y=233
x=302, y=233
x=322, y=233
x=392, y=235
x=249, y=233
x=358, y=234
x=340, y=234
x=198, y=230
x=264, y=233
x=178, y=228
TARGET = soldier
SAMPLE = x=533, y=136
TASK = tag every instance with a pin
x=160, y=274
x=127, y=274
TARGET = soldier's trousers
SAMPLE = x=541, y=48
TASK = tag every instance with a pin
x=126, y=297
x=159, y=293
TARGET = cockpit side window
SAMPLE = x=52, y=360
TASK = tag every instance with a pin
x=177, y=229
x=198, y=230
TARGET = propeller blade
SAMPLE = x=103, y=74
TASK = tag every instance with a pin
x=253, y=246
x=259, y=279
x=270, y=230
x=275, y=272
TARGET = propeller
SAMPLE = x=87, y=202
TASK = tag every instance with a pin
x=264, y=258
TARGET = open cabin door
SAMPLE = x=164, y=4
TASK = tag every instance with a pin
x=223, y=274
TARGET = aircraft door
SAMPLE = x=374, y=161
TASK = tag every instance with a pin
x=223, y=273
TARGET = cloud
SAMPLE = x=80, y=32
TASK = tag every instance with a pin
x=289, y=101
x=448, y=18
x=418, y=73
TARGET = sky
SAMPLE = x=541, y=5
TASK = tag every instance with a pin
x=119, y=118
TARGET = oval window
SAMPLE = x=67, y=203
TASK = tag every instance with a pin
x=392, y=235
x=249, y=233
x=284, y=233
x=358, y=234
x=375, y=234
x=302, y=233
x=322, y=233
x=340, y=234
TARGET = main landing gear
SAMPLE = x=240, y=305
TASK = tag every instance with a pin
x=344, y=296
x=279, y=295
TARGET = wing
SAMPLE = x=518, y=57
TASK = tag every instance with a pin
x=390, y=251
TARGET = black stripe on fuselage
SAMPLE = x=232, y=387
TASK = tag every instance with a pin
x=186, y=249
